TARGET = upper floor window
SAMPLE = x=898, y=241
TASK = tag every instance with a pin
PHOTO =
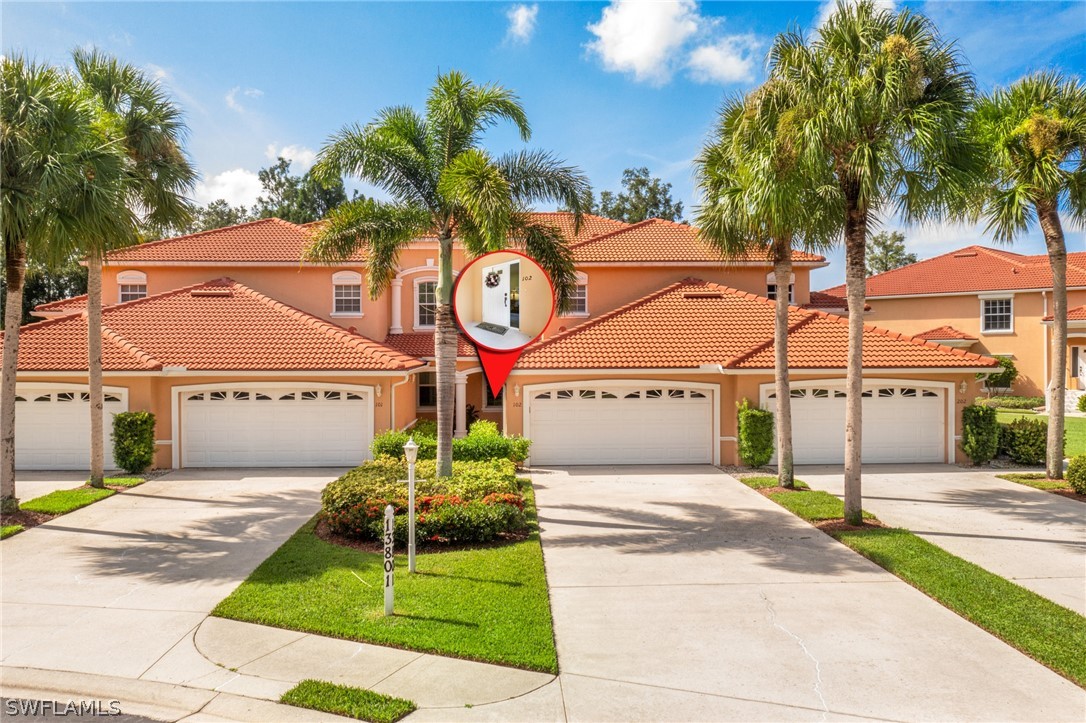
x=347, y=293
x=771, y=288
x=997, y=315
x=131, y=285
x=578, y=301
x=425, y=303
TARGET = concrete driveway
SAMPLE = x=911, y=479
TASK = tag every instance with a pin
x=1035, y=538
x=30, y=484
x=679, y=594
x=111, y=588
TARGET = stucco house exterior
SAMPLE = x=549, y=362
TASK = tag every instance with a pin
x=990, y=301
x=249, y=357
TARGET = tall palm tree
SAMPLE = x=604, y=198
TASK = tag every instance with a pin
x=58, y=191
x=442, y=183
x=1033, y=136
x=759, y=197
x=149, y=127
x=881, y=99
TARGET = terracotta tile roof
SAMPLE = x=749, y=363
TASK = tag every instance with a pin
x=1078, y=313
x=822, y=300
x=944, y=332
x=694, y=322
x=591, y=225
x=659, y=240
x=63, y=306
x=972, y=269
x=421, y=344
x=219, y=325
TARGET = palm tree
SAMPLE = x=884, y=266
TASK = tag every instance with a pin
x=759, y=198
x=1033, y=135
x=442, y=183
x=149, y=128
x=881, y=100
x=58, y=191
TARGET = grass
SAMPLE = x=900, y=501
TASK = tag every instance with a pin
x=61, y=502
x=1074, y=427
x=345, y=700
x=487, y=604
x=8, y=530
x=761, y=483
x=124, y=481
x=1037, y=480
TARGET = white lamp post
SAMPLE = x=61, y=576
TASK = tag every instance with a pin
x=411, y=451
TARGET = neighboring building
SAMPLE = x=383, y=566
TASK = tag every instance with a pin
x=248, y=356
x=985, y=300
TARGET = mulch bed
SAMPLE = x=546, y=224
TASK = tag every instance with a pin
x=323, y=532
x=1070, y=494
x=24, y=518
x=839, y=525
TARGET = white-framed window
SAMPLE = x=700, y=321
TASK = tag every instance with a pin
x=489, y=400
x=771, y=287
x=425, y=303
x=427, y=390
x=997, y=315
x=578, y=301
x=347, y=293
x=131, y=285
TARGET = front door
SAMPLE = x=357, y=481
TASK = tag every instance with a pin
x=496, y=295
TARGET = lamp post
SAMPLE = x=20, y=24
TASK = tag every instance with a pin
x=411, y=452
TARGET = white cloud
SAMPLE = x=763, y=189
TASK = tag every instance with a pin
x=730, y=59
x=644, y=38
x=300, y=157
x=521, y=22
x=829, y=7
x=238, y=187
x=232, y=97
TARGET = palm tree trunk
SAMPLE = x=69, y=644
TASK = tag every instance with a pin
x=94, y=367
x=14, y=275
x=1057, y=385
x=445, y=357
x=856, y=286
x=782, y=272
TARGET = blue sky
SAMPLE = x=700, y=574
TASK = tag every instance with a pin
x=607, y=85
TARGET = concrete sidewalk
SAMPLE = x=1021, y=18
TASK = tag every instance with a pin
x=1033, y=537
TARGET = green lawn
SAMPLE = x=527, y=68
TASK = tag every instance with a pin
x=487, y=604
x=62, y=502
x=9, y=530
x=761, y=483
x=345, y=700
x=1037, y=480
x=125, y=481
x=1075, y=429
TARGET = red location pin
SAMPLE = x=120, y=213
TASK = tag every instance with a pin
x=503, y=301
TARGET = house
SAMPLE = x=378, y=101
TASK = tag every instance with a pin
x=990, y=301
x=247, y=356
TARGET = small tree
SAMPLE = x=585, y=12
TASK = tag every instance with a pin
x=886, y=251
x=1001, y=382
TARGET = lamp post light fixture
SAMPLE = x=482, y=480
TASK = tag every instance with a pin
x=411, y=452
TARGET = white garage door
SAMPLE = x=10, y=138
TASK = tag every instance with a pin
x=609, y=424
x=52, y=427
x=275, y=427
x=900, y=424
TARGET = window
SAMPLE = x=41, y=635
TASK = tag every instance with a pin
x=771, y=287
x=578, y=300
x=491, y=400
x=425, y=303
x=131, y=285
x=427, y=389
x=347, y=294
x=996, y=315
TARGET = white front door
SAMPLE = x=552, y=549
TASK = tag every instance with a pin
x=297, y=426
x=496, y=298
x=52, y=426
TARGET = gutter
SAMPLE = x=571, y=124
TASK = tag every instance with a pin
x=392, y=400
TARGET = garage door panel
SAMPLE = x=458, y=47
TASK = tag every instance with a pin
x=52, y=427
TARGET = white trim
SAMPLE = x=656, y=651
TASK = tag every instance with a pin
x=163, y=441
x=969, y=293
x=416, y=326
x=70, y=387
x=347, y=278
x=729, y=439
x=748, y=372
x=526, y=396
x=419, y=269
x=177, y=390
x=950, y=399
x=132, y=276
x=996, y=297
x=582, y=280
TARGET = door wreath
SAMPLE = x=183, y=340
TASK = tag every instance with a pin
x=492, y=279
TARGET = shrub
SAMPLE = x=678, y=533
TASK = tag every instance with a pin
x=1076, y=474
x=1024, y=440
x=755, y=435
x=425, y=428
x=1081, y=403
x=1004, y=380
x=483, y=442
x=134, y=441
x=1010, y=402
x=980, y=433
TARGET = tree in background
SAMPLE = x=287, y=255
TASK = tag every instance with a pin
x=43, y=284
x=643, y=197
x=1033, y=135
x=298, y=199
x=886, y=251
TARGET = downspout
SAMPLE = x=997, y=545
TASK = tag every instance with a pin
x=392, y=401
x=1047, y=342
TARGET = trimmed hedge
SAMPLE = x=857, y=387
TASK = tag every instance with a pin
x=1025, y=441
x=755, y=435
x=134, y=441
x=980, y=433
x=1082, y=403
x=482, y=442
x=1010, y=402
x=1076, y=474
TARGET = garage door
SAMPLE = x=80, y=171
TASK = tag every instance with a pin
x=52, y=427
x=650, y=424
x=275, y=427
x=900, y=424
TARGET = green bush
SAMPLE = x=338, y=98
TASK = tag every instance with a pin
x=1004, y=380
x=1081, y=403
x=1024, y=440
x=980, y=433
x=425, y=428
x=438, y=520
x=755, y=435
x=1010, y=402
x=1076, y=474
x=482, y=442
x=134, y=441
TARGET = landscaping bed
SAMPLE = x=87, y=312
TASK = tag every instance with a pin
x=1038, y=480
x=60, y=502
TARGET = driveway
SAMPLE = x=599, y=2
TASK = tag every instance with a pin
x=111, y=588
x=31, y=484
x=679, y=594
x=1035, y=538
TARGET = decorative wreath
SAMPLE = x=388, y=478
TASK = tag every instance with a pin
x=492, y=279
